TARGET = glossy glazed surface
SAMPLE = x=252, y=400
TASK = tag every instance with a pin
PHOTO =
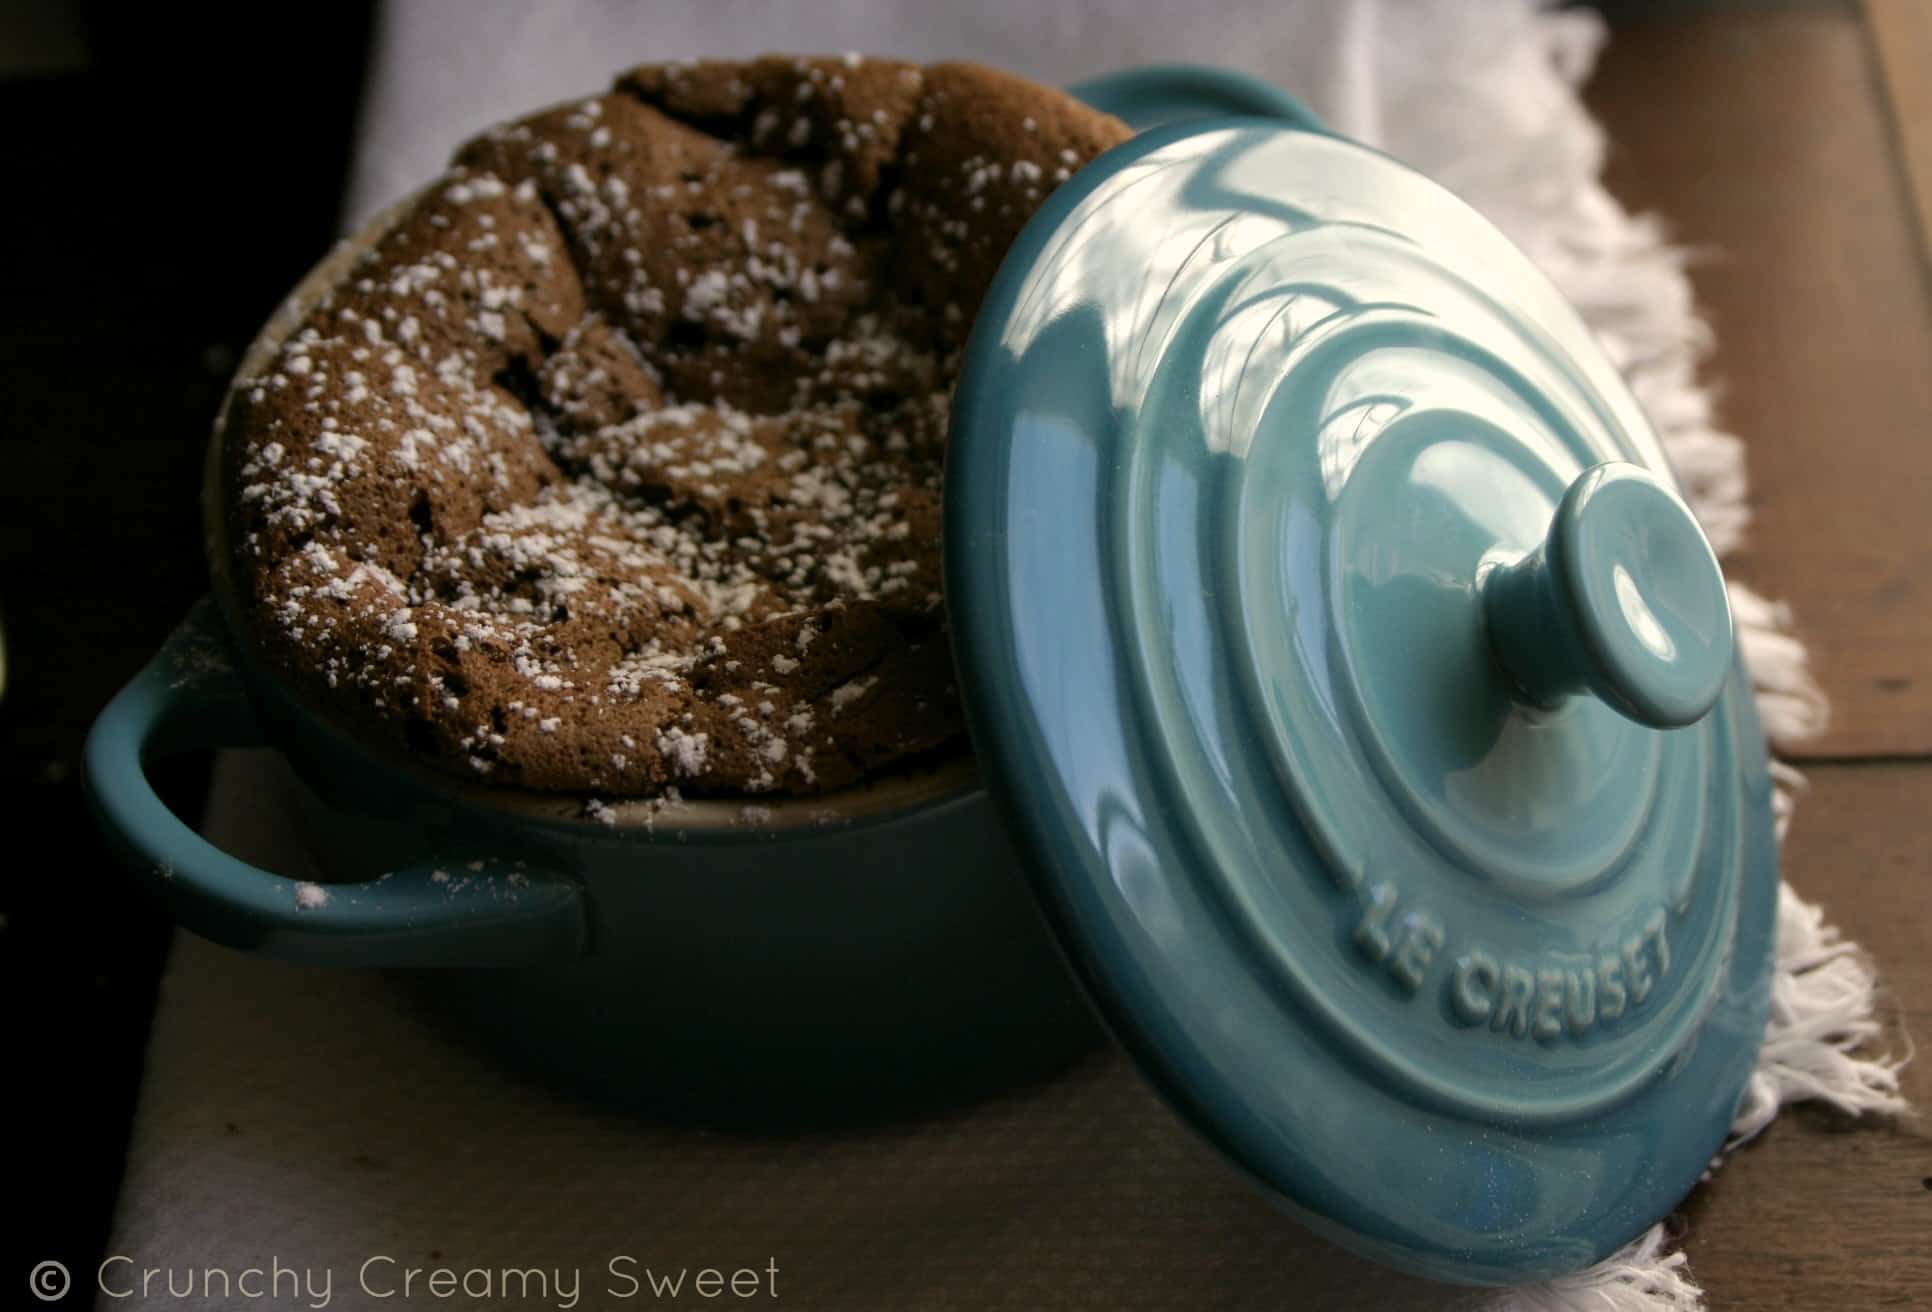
x=1622, y=599
x=1469, y=966
x=1154, y=95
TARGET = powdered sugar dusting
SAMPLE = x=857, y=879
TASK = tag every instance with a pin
x=616, y=466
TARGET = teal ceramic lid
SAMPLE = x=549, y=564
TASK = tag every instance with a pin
x=1365, y=697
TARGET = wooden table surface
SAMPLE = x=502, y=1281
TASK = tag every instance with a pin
x=1782, y=143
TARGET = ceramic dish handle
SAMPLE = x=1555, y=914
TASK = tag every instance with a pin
x=1149, y=96
x=190, y=697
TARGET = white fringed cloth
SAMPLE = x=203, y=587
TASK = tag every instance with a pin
x=309, y=1116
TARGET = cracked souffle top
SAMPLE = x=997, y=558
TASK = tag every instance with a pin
x=614, y=465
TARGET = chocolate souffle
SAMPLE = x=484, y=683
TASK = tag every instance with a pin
x=614, y=466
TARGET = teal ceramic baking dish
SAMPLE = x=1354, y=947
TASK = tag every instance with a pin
x=833, y=960
x=1355, y=712
x=804, y=968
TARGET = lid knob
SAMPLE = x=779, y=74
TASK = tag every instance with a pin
x=1623, y=598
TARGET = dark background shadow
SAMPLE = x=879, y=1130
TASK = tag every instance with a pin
x=169, y=171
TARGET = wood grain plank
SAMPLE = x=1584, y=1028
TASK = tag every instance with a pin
x=1821, y=1212
x=1902, y=38
x=1761, y=135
